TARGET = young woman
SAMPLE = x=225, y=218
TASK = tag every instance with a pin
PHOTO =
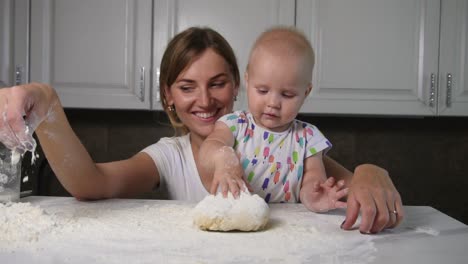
x=199, y=80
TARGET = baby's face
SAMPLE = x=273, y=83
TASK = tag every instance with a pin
x=276, y=87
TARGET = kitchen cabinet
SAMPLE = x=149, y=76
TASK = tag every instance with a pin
x=5, y=46
x=14, y=19
x=453, y=65
x=98, y=53
x=18, y=41
x=373, y=57
x=382, y=57
x=240, y=22
x=95, y=53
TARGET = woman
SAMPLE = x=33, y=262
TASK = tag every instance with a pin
x=200, y=81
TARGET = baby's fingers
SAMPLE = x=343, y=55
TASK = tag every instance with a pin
x=317, y=186
x=340, y=184
x=341, y=193
x=340, y=204
x=330, y=182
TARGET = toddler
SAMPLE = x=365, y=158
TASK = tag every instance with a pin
x=278, y=156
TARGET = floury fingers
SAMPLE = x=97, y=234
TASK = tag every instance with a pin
x=18, y=121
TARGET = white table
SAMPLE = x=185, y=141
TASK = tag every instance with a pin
x=64, y=230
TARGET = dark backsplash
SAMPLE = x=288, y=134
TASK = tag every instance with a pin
x=426, y=157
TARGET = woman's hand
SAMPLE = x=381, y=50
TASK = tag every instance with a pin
x=22, y=109
x=372, y=192
x=228, y=173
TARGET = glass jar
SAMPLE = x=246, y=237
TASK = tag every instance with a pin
x=10, y=175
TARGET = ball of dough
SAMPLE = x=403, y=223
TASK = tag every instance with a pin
x=246, y=213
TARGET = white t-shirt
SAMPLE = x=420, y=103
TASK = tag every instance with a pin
x=177, y=169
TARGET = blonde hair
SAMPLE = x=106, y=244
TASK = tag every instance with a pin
x=181, y=51
x=289, y=40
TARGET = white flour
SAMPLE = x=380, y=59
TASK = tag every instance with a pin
x=22, y=223
x=427, y=230
x=107, y=232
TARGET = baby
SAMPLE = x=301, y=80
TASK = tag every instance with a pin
x=278, y=156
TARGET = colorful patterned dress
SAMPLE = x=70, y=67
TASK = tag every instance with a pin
x=273, y=162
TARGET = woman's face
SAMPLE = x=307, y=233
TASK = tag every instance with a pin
x=203, y=92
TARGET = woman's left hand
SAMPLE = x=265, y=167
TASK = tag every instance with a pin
x=372, y=192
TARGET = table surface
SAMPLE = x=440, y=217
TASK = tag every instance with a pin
x=64, y=230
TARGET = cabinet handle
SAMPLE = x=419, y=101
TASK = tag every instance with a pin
x=18, y=74
x=158, y=97
x=432, y=92
x=448, y=102
x=142, y=84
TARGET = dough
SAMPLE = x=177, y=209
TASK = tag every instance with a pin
x=247, y=213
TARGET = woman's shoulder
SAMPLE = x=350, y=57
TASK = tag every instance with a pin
x=174, y=140
x=170, y=143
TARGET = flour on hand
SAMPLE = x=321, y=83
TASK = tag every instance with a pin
x=216, y=213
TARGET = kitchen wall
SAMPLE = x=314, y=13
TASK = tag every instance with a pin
x=426, y=157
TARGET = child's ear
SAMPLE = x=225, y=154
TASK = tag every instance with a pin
x=309, y=88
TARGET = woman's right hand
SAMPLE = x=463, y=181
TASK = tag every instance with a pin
x=22, y=110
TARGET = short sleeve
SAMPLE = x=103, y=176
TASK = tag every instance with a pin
x=235, y=121
x=160, y=153
x=315, y=140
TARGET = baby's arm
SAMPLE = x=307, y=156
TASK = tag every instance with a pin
x=318, y=193
x=219, y=160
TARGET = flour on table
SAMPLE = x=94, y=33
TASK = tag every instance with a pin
x=246, y=213
x=142, y=231
x=427, y=230
x=22, y=223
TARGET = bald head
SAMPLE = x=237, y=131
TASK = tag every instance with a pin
x=286, y=42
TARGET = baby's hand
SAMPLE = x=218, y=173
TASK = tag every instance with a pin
x=228, y=175
x=325, y=196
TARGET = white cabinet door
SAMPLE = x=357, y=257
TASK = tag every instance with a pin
x=372, y=56
x=453, y=71
x=14, y=21
x=13, y=41
x=20, y=42
x=240, y=22
x=95, y=53
x=6, y=34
